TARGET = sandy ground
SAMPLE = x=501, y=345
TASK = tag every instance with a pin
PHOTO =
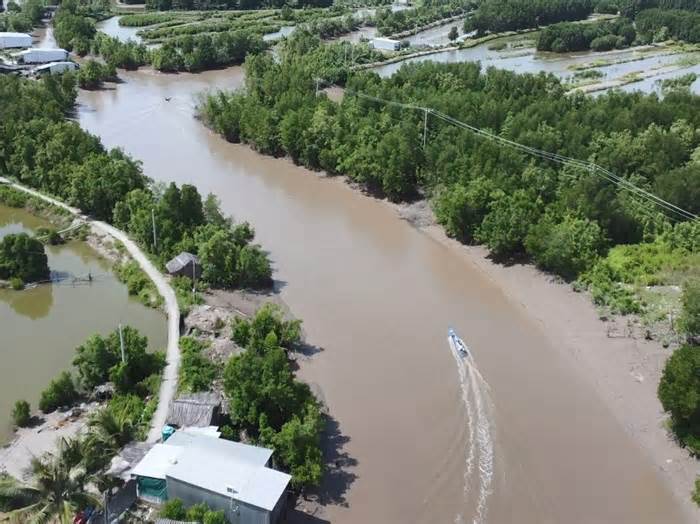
x=621, y=365
x=41, y=438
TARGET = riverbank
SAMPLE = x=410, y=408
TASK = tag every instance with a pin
x=612, y=355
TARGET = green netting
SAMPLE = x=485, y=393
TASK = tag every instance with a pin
x=150, y=487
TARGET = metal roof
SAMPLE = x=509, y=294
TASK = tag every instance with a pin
x=231, y=469
x=181, y=261
x=157, y=461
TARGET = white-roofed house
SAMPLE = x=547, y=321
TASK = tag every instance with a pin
x=228, y=476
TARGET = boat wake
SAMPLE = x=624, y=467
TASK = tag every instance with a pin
x=479, y=456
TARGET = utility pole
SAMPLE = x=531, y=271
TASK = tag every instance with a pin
x=121, y=343
x=425, y=125
x=106, y=512
x=153, y=221
x=193, y=282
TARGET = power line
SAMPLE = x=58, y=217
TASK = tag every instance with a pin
x=589, y=166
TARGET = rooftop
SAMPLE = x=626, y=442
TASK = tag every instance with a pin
x=181, y=261
x=231, y=469
x=196, y=409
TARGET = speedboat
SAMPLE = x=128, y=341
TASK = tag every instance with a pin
x=457, y=343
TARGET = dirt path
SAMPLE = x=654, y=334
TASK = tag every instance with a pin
x=168, y=385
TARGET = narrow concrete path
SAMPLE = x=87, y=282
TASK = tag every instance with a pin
x=168, y=386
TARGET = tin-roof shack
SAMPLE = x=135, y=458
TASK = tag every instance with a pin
x=37, y=55
x=226, y=475
x=184, y=265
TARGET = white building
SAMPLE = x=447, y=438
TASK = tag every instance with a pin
x=228, y=476
x=386, y=44
x=15, y=40
x=55, y=68
x=41, y=56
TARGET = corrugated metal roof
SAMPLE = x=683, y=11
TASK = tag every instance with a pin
x=196, y=409
x=181, y=261
x=231, y=469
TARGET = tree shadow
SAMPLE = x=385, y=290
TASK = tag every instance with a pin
x=35, y=420
x=337, y=479
x=307, y=350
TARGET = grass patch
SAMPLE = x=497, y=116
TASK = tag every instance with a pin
x=138, y=284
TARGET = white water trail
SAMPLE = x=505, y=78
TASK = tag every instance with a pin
x=484, y=440
x=471, y=450
x=475, y=395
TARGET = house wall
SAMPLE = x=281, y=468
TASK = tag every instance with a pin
x=190, y=495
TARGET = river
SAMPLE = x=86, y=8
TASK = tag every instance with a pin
x=41, y=327
x=377, y=297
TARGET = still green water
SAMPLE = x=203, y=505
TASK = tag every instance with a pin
x=40, y=327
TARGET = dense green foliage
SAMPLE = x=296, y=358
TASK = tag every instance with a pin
x=696, y=491
x=185, y=223
x=269, y=403
x=22, y=257
x=496, y=16
x=175, y=509
x=679, y=392
x=659, y=25
x=99, y=360
x=204, y=51
x=690, y=319
x=22, y=18
x=21, y=413
x=482, y=192
x=197, y=372
x=599, y=36
x=390, y=22
x=44, y=150
x=92, y=73
x=59, y=393
x=268, y=319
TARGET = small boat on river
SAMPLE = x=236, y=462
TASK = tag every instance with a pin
x=456, y=343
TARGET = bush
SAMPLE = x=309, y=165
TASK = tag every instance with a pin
x=16, y=283
x=60, y=392
x=268, y=319
x=173, y=509
x=679, y=393
x=21, y=414
x=696, y=492
x=197, y=372
x=690, y=316
x=567, y=247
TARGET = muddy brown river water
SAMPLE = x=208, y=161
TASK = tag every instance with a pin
x=532, y=443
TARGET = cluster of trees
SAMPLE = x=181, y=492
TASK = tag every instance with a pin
x=204, y=51
x=92, y=73
x=661, y=24
x=268, y=402
x=100, y=360
x=599, y=36
x=42, y=149
x=21, y=18
x=201, y=5
x=390, y=22
x=22, y=258
x=184, y=222
x=562, y=217
x=496, y=16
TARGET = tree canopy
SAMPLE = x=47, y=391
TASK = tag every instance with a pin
x=23, y=257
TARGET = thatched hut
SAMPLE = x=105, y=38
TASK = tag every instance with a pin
x=195, y=410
